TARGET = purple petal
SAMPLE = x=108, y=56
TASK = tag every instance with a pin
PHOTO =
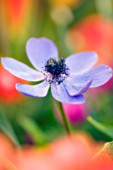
x=60, y=93
x=40, y=50
x=81, y=62
x=39, y=90
x=99, y=75
x=76, y=88
x=21, y=70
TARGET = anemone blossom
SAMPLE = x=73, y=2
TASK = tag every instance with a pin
x=69, y=78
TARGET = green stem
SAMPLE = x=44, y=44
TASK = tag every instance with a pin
x=105, y=130
x=64, y=118
x=6, y=127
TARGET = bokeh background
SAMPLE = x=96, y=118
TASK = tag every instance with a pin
x=74, y=26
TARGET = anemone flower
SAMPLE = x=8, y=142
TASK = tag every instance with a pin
x=69, y=78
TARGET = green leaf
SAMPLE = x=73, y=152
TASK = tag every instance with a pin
x=102, y=128
x=85, y=8
x=6, y=127
x=33, y=130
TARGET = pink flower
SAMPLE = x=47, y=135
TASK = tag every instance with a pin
x=75, y=113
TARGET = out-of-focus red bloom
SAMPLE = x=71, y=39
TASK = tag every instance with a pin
x=8, y=92
x=74, y=152
x=75, y=112
x=94, y=33
x=68, y=153
x=14, y=14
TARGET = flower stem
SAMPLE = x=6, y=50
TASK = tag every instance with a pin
x=64, y=118
x=105, y=130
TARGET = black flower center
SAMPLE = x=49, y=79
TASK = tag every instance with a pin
x=58, y=69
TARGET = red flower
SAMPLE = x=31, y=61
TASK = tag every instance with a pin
x=94, y=33
x=8, y=92
x=69, y=153
x=75, y=152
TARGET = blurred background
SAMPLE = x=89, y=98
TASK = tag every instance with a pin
x=74, y=26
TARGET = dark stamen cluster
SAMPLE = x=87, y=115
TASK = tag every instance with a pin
x=57, y=68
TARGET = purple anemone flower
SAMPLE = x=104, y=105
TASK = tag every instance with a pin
x=69, y=78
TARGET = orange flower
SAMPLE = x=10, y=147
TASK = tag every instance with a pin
x=105, y=155
x=14, y=15
x=7, y=151
x=94, y=33
x=66, y=3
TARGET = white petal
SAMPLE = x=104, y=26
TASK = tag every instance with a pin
x=59, y=93
x=39, y=50
x=99, y=75
x=81, y=62
x=76, y=88
x=39, y=90
x=21, y=70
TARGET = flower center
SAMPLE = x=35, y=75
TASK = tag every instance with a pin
x=57, y=70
